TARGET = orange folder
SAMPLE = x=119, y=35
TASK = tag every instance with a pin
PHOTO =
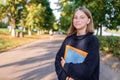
x=74, y=55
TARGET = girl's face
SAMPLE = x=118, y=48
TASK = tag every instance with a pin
x=80, y=20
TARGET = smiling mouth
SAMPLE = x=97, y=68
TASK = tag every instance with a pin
x=78, y=24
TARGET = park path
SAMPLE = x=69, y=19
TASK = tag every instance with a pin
x=35, y=61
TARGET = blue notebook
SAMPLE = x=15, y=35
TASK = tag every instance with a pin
x=74, y=55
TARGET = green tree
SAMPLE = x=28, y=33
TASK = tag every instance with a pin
x=112, y=11
x=67, y=8
x=30, y=13
x=21, y=13
x=44, y=18
x=105, y=12
x=34, y=17
x=2, y=1
x=49, y=17
x=10, y=9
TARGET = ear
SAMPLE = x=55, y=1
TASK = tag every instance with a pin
x=88, y=21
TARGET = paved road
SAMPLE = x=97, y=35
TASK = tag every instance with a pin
x=35, y=61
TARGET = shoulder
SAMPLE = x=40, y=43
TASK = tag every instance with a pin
x=92, y=38
x=70, y=36
x=67, y=38
x=93, y=42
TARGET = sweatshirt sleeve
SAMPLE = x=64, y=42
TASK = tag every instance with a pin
x=58, y=68
x=84, y=71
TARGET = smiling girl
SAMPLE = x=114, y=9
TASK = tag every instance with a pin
x=80, y=36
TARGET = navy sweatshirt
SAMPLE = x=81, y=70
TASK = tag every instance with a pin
x=89, y=69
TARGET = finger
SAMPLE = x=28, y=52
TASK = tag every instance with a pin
x=67, y=78
x=71, y=79
x=62, y=63
x=62, y=58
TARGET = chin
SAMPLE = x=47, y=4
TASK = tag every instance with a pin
x=78, y=27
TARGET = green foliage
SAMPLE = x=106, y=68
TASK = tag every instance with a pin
x=66, y=14
x=3, y=25
x=34, y=16
x=3, y=11
x=1, y=1
x=105, y=12
x=110, y=43
x=28, y=13
x=49, y=18
x=55, y=26
x=5, y=43
x=4, y=31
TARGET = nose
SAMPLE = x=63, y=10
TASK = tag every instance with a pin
x=78, y=20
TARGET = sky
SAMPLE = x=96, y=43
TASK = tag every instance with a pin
x=54, y=7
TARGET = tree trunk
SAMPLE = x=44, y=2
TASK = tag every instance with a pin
x=29, y=31
x=12, y=19
x=41, y=32
x=100, y=31
x=12, y=26
x=12, y=23
x=13, y=32
x=24, y=30
x=38, y=32
x=97, y=31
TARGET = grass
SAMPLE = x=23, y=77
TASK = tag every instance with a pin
x=7, y=42
x=4, y=31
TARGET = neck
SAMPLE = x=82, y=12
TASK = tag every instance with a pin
x=81, y=32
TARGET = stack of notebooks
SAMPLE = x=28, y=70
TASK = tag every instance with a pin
x=74, y=55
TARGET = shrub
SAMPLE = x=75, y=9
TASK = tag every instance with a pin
x=3, y=25
x=4, y=31
x=110, y=44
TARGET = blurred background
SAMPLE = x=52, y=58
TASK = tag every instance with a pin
x=25, y=21
x=20, y=19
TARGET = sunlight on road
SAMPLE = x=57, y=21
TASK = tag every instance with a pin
x=50, y=76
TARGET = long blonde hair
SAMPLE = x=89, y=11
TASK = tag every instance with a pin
x=90, y=26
